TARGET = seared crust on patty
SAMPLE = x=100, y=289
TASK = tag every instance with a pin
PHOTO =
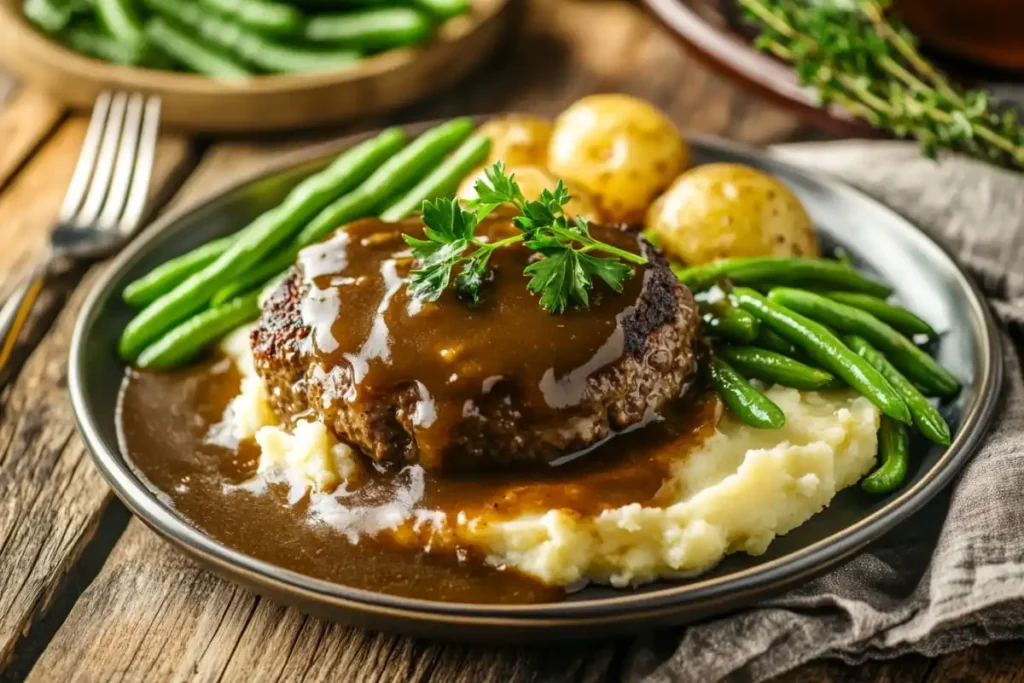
x=657, y=363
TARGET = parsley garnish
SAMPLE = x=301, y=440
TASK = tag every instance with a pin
x=563, y=274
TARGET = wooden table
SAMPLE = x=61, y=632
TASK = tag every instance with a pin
x=88, y=593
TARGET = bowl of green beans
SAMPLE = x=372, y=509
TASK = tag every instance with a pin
x=251, y=65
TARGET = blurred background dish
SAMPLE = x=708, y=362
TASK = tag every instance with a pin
x=382, y=80
x=978, y=43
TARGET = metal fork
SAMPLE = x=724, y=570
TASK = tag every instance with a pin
x=104, y=204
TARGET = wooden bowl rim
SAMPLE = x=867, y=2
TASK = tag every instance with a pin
x=17, y=33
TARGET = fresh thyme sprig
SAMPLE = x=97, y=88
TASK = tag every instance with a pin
x=857, y=58
x=563, y=274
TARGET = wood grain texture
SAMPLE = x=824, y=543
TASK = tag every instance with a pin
x=378, y=83
x=909, y=669
x=163, y=618
x=26, y=119
x=50, y=494
x=152, y=615
x=998, y=663
x=29, y=205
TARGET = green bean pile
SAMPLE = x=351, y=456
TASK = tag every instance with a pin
x=188, y=303
x=239, y=38
x=821, y=326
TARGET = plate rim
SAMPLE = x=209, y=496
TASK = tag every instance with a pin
x=716, y=593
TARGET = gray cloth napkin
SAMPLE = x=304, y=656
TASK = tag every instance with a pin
x=953, y=576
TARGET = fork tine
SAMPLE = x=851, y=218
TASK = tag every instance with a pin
x=86, y=159
x=139, y=192
x=118, y=192
x=104, y=163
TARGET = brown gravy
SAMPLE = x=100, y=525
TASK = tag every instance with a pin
x=363, y=318
x=165, y=422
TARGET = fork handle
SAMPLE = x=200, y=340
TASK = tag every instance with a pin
x=15, y=312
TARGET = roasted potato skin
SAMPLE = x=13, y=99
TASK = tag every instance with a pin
x=518, y=140
x=532, y=180
x=726, y=210
x=620, y=149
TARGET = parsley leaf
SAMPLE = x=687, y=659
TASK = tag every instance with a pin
x=612, y=271
x=564, y=274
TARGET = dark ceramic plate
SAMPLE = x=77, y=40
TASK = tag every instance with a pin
x=878, y=240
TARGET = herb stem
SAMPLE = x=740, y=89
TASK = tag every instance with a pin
x=500, y=243
x=590, y=244
x=615, y=251
x=874, y=13
x=561, y=274
x=857, y=58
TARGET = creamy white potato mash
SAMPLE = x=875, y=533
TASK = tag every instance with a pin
x=736, y=492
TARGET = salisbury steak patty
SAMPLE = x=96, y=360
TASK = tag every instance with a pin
x=439, y=413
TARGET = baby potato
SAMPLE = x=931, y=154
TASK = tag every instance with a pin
x=620, y=149
x=533, y=180
x=725, y=210
x=518, y=140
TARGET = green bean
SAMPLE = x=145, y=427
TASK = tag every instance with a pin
x=185, y=50
x=899, y=318
x=265, y=16
x=769, y=366
x=395, y=175
x=312, y=194
x=773, y=342
x=351, y=207
x=775, y=270
x=50, y=16
x=391, y=178
x=197, y=333
x=314, y=6
x=729, y=322
x=254, y=242
x=442, y=10
x=164, y=277
x=443, y=180
x=121, y=20
x=371, y=29
x=893, y=447
x=825, y=349
x=96, y=43
x=904, y=354
x=842, y=256
x=747, y=403
x=926, y=417
x=251, y=47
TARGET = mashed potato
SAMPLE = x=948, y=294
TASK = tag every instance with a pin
x=740, y=490
x=307, y=457
x=737, y=492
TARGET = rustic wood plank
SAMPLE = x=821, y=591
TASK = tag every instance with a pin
x=153, y=615
x=25, y=122
x=29, y=205
x=909, y=669
x=8, y=86
x=50, y=495
x=163, y=618
x=998, y=663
